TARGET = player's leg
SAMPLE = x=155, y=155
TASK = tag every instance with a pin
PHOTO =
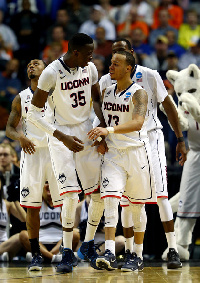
x=68, y=216
x=108, y=260
x=134, y=261
x=156, y=139
x=31, y=184
x=95, y=211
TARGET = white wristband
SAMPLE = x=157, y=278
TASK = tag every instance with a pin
x=110, y=130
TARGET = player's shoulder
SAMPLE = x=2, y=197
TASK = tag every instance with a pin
x=26, y=93
x=105, y=78
x=145, y=70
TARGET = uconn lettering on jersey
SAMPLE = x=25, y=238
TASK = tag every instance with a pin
x=74, y=84
x=116, y=107
x=50, y=215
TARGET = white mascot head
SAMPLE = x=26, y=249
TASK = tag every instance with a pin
x=187, y=87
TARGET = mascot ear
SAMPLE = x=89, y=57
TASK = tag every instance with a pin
x=193, y=71
x=172, y=76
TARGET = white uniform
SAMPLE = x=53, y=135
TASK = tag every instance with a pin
x=50, y=225
x=69, y=110
x=151, y=81
x=3, y=222
x=127, y=167
x=36, y=168
x=189, y=206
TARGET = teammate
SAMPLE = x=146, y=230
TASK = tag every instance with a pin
x=152, y=83
x=35, y=163
x=68, y=84
x=127, y=164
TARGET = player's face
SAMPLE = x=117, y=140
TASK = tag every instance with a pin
x=85, y=55
x=118, y=66
x=35, y=68
x=119, y=46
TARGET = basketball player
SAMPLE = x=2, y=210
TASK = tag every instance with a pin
x=35, y=161
x=68, y=84
x=127, y=164
x=152, y=83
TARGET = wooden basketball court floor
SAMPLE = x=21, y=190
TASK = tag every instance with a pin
x=154, y=272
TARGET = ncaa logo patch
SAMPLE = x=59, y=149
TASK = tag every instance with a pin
x=139, y=75
x=105, y=182
x=62, y=178
x=25, y=192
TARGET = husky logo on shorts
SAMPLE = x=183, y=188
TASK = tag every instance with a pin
x=62, y=178
x=105, y=182
x=25, y=192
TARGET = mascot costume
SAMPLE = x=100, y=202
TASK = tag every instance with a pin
x=187, y=202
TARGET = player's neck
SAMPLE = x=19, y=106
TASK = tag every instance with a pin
x=123, y=84
x=34, y=84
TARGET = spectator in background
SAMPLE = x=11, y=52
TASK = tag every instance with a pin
x=5, y=56
x=110, y=12
x=62, y=19
x=54, y=51
x=192, y=56
x=10, y=85
x=158, y=59
x=78, y=14
x=138, y=40
x=102, y=47
x=28, y=27
x=8, y=35
x=99, y=60
x=175, y=12
x=131, y=22
x=144, y=8
x=9, y=247
x=97, y=20
x=173, y=45
x=190, y=30
x=163, y=27
x=58, y=36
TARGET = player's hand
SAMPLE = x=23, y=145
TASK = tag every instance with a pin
x=27, y=145
x=181, y=153
x=73, y=143
x=97, y=132
x=102, y=148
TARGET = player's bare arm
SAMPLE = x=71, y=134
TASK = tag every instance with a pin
x=39, y=99
x=172, y=115
x=11, y=127
x=140, y=100
x=97, y=103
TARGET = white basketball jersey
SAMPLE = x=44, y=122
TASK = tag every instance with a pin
x=151, y=81
x=118, y=109
x=37, y=136
x=3, y=222
x=50, y=225
x=70, y=93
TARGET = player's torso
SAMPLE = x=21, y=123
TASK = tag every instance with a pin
x=37, y=136
x=118, y=109
x=70, y=100
x=142, y=78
